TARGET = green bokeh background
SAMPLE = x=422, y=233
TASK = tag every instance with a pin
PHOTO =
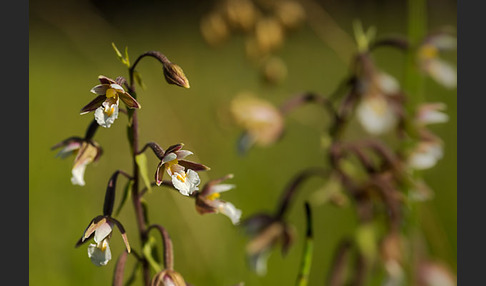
x=70, y=45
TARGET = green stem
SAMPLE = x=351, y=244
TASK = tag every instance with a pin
x=414, y=81
x=414, y=88
x=305, y=267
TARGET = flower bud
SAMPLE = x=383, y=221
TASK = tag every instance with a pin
x=175, y=75
x=168, y=278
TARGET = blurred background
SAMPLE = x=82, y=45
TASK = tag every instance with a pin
x=70, y=45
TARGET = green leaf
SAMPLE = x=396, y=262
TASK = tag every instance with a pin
x=126, y=194
x=366, y=239
x=141, y=160
x=138, y=79
x=147, y=252
x=125, y=60
x=120, y=57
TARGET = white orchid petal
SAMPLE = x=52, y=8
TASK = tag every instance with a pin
x=99, y=256
x=186, y=183
x=442, y=72
x=426, y=156
x=78, y=174
x=102, y=118
x=435, y=117
x=181, y=154
x=103, y=231
x=229, y=210
x=388, y=84
x=376, y=115
x=193, y=177
x=100, y=89
x=169, y=157
x=117, y=87
x=167, y=281
x=68, y=150
x=258, y=262
x=219, y=188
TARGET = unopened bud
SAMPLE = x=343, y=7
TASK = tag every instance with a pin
x=175, y=75
x=168, y=277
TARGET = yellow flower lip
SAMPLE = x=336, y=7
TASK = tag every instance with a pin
x=111, y=93
x=213, y=196
x=181, y=178
x=428, y=52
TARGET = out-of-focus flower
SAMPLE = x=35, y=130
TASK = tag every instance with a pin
x=214, y=29
x=431, y=113
x=265, y=231
x=274, y=70
x=377, y=111
x=430, y=62
x=269, y=34
x=392, y=255
x=290, y=13
x=432, y=273
x=207, y=201
x=420, y=191
x=168, y=278
x=241, y=14
x=101, y=228
x=262, y=121
x=426, y=153
x=86, y=151
x=106, y=103
x=172, y=162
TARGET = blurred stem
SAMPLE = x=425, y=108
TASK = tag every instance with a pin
x=414, y=88
x=414, y=81
x=338, y=267
x=292, y=188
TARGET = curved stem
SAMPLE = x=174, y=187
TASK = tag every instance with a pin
x=307, y=97
x=91, y=130
x=158, y=151
x=337, y=271
x=110, y=192
x=292, y=188
x=120, y=269
x=155, y=54
x=168, y=249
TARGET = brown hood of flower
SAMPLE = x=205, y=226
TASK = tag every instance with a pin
x=266, y=238
x=204, y=205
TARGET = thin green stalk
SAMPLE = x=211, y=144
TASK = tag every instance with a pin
x=414, y=87
x=305, y=267
x=416, y=30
